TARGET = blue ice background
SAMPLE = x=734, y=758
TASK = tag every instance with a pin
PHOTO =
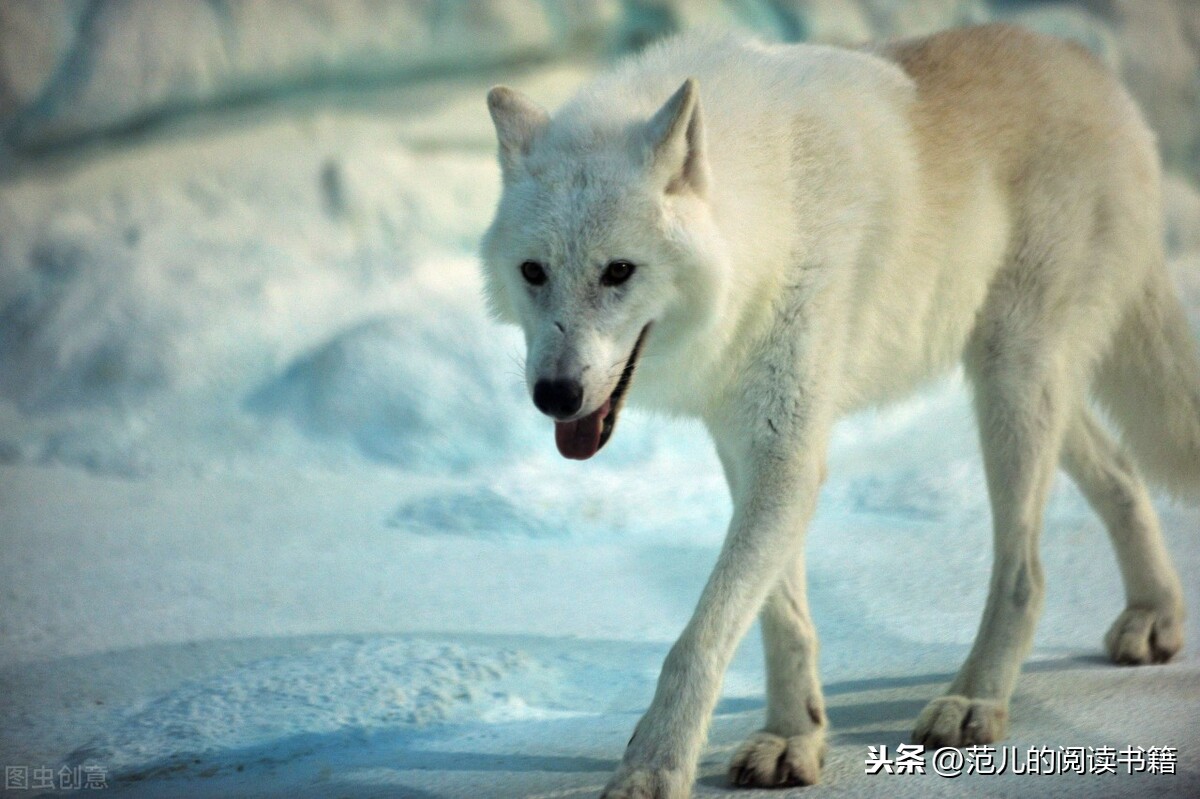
x=238, y=239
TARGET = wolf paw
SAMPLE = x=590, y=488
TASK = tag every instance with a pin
x=1142, y=635
x=960, y=721
x=647, y=783
x=767, y=760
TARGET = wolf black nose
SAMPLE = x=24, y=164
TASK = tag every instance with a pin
x=558, y=398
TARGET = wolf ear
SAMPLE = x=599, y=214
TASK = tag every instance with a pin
x=675, y=137
x=518, y=121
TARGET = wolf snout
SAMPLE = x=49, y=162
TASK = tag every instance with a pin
x=558, y=398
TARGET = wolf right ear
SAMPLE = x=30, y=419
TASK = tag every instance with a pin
x=518, y=121
x=675, y=137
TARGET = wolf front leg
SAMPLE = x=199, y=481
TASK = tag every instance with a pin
x=774, y=488
x=790, y=749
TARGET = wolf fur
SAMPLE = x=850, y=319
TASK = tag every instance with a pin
x=817, y=230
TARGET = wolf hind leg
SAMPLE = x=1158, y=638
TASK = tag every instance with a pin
x=790, y=749
x=1150, y=629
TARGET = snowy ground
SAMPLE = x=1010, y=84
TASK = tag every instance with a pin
x=276, y=518
x=283, y=634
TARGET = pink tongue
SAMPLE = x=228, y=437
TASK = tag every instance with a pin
x=580, y=439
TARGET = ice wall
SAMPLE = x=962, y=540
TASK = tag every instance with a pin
x=71, y=69
x=74, y=68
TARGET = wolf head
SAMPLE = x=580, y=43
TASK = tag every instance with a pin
x=602, y=250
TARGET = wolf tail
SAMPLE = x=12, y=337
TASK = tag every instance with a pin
x=1150, y=384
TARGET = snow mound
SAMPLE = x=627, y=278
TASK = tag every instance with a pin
x=922, y=494
x=165, y=307
x=73, y=329
x=355, y=688
x=539, y=498
x=408, y=390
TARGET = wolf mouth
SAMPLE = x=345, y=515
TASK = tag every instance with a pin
x=584, y=437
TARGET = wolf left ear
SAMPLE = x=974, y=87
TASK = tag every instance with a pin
x=518, y=122
x=675, y=137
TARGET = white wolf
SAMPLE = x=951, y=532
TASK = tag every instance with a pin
x=802, y=231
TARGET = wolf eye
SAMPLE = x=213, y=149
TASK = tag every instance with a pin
x=616, y=273
x=533, y=273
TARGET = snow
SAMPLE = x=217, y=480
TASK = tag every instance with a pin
x=278, y=517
